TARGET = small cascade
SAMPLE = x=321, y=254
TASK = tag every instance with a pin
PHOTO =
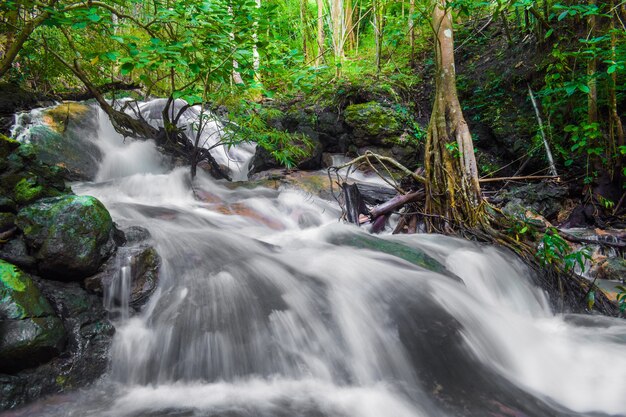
x=117, y=292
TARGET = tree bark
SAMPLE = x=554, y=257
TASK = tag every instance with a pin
x=452, y=186
x=320, y=33
x=592, y=64
x=412, y=31
x=616, y=127
x=349, y=18
x=338, y=31
x=304, y=20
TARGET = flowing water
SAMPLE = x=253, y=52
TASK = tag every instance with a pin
x=268, y=306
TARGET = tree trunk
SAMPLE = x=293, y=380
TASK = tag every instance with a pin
x=337, y=22
x=412, y=32
x=304, y=20
x=378, y=16
x=15, y=46
x=452, y=186
x=349, y=17
x=320, y=33
x=592, y=96
x=616, y=128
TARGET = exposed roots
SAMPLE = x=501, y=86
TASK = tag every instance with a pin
x=488, y=224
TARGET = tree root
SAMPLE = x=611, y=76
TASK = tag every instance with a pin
x=567, y=291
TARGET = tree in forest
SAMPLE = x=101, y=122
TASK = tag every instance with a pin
x=452, y=186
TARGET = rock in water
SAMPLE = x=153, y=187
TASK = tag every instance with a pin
x=144, y=263
x=70, y=236
x=30, y=332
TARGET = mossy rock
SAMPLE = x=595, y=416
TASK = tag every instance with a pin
x=19, y=296
x=70, y=236
x=7, y=145
x=71, y=150
x=372, y=119
x=28, y=190
x=30, y=332
x=65, y=113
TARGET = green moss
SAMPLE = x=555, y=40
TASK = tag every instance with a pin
x=28, y=190
x=7, y=145
x=19, y=297
x=68, y=235
x=10, y=276
x=372, y=119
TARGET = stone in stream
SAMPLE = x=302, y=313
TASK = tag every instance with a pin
x=64, y=139
x=144, y=263
x=412, y=255
x=69, y=236
x=30, y=331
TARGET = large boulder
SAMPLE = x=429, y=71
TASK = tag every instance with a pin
x=65, y=139
x=85, y=357
x=30, y=332
x=372, y=120
x=544, y=198
x=69, y=236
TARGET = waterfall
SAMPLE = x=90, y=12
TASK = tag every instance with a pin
x=261, y=312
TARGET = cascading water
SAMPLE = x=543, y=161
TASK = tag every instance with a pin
x=267, y=306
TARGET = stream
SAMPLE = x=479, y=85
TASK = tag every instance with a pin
x=268, y=306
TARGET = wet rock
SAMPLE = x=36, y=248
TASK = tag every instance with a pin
x=69, y=236
x=63, y=140
x=412, y=255
x=30, y=332
x=15, y=252
x=545, y=198
x=7, y=146
x=85, y=357
x=142, y=263
x=23, y=178
x=330, y=124
x=613, y=269
x=7, y=221
x=7, y=205
x=581, y=216
x=263, y=160
x=135, y=234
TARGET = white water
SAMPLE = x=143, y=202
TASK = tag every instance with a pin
x=258, y=313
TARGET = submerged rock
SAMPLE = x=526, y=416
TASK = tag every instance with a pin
x=69, y=236
x=412, y=255
x=30, y=332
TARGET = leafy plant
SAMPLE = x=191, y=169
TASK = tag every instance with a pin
x=621, y=298
x=553, y=249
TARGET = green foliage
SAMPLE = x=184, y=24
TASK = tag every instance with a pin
x=553, y=249
x=251, y=122
x=621, y=298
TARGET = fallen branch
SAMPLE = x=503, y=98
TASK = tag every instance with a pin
x=380, y=158
x=396, y=202
x=575, y=239
x=523, y=178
